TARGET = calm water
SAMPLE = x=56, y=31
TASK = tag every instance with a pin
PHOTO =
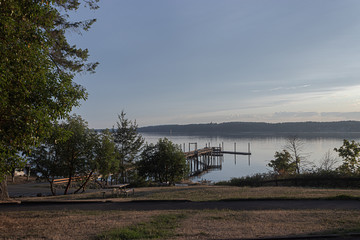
x=262, y=149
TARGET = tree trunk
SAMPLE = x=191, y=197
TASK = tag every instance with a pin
x=4, y=195
x=28, y=174
x=84, y=184
x=68, y=185
x=13, y=175
x=53, y=191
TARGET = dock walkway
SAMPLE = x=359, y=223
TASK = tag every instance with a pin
x=204, y=159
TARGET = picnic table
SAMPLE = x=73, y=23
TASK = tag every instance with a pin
x=121, y=189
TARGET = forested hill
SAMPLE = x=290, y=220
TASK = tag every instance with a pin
x=257, y=127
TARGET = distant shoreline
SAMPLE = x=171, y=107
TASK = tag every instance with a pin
x=341, y=129
x=309, y=135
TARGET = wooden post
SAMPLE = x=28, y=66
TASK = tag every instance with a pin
x=249, y=152
x=235, y=152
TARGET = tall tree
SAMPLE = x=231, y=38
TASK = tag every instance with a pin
x=37, y=67
x=128, y=145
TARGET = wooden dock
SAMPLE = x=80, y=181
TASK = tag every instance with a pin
x=207, y=158
x=236, y=153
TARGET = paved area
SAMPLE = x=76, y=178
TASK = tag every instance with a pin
x=29, y=189
x=178, y=205
x=33, y=189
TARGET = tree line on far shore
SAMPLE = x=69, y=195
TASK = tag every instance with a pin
x=234, y=128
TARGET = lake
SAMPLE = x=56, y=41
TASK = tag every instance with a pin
x=262, y=147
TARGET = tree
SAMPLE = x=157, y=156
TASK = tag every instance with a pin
x=283, y=164
x=350, y=152
x=37, y=67
x=45, y=159
x=295, y=146
x=74, y=150
x=128, y=145
x=328, y=162
x=163, y=162
x=100, y=157
x=64, y=153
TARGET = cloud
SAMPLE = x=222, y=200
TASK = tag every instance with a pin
x=282, y=115
x=281, y=88
x=342, y=115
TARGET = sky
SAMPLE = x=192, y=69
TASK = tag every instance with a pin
x=202, y=61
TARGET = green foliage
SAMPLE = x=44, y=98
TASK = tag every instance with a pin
x=160, y=227
x=255, y=180
x=350, y=152
x=74, y=150
x=104, y=153
x=128, y=145
x=163, y=162
x=282, y=164
x=329, y=179
x=37, y=67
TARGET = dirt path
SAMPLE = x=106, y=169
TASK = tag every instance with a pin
x=178, y=205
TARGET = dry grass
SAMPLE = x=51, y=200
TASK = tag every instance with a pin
x=214, y=193
x=65, y=224
x=254, y=224
x=208, y=224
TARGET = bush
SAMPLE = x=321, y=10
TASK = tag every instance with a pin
x=329, y=179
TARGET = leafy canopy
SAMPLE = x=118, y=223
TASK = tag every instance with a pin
x=283, y=164
x=37, y=67
x=82, y=153
x=163, y=162
x=350, y=152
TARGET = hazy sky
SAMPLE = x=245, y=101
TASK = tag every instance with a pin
x=200, y=61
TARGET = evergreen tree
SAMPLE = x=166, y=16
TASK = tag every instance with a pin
x=128, y=145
